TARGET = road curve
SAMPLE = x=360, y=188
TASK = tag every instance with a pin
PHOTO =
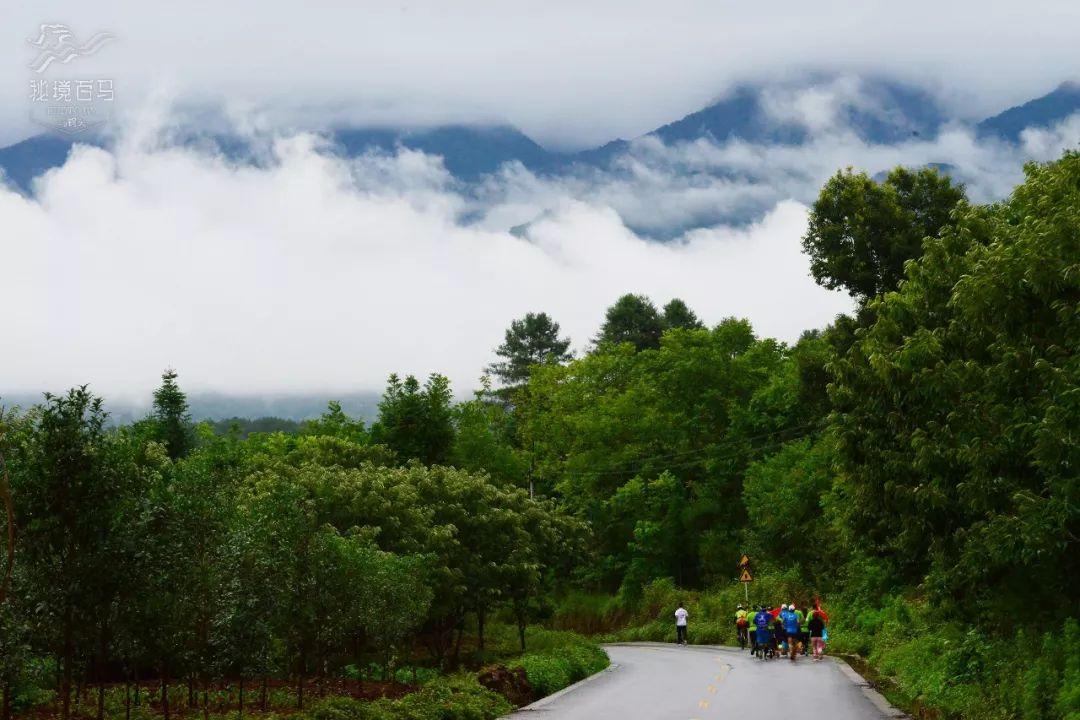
x=654, y=681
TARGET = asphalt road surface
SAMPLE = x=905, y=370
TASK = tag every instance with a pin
x=654, y=681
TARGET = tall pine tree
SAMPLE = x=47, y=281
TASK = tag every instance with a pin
x=171, y=418
x=531, y=341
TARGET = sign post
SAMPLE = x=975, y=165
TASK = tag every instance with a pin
x=746, y=578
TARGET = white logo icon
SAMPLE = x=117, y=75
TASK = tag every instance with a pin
x=58, y=45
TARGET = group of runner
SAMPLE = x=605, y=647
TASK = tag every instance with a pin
x=784, y=630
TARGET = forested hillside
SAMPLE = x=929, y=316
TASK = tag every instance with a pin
x=915, y=465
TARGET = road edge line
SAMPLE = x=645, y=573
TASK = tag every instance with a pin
x=879, y=700
x=566, y=690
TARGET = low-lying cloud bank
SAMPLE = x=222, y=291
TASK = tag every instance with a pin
x=313, y=273
x=658, y=188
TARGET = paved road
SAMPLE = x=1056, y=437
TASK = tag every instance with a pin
x=653, y=681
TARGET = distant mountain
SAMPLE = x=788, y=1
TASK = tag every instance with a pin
x=880, y=112
x=1041, y=112
x=467, y=151
x=25, y=160
x=888, y=112
x=219, y=406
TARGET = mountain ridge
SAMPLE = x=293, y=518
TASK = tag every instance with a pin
x=887, y=112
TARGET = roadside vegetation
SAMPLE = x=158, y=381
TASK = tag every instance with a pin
x=913, y=464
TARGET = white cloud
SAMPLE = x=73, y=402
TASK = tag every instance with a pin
x=567, y=72
x=307, y=272
x=313, y=273
x=655, y=187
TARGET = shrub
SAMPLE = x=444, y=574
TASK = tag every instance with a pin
x=453, y=698
x=344, y=708
x=550, y=670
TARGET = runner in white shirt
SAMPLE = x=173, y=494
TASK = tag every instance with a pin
x=680, y=625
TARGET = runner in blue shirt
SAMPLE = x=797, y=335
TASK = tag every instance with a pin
x=763, y=635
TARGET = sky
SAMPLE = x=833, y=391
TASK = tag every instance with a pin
x=310, y=273
x=569, y=73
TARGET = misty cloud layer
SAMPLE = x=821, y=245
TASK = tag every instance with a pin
x=309, y=272
x=318, y=273
x=570, y=74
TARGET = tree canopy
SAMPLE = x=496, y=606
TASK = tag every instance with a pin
x=531, y=341
x=861, y=232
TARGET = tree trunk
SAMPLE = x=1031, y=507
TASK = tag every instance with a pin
x=127, y=699
x=5, y=707
x=136, y=686
x=262, y=696
x=321, y=671
x=69, y=652
x=521, y=631
x=101, y=662
x=480, y=629
x=457, y=643
x=191, y=690
x=205, y=700
x=9, y=508
x=300, y=680
x=359, y=668
x=165, y=692
x=241, y=714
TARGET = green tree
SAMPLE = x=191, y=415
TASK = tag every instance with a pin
x=15, y=646
x=414, y=422
x=335, y=423
x=678, y=315
x=7, y=512
x=531, y=341
x=619, y=416
x=68, y=491
x=784, y=494
x=956, y=409
x=632, y=319
x=484, y=438
x=170, y=414
x=395, y=600
x=862, y=232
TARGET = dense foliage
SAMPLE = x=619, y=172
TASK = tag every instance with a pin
x=861, y=232
x=919, y=454
x=279, y=556
x=915, y=463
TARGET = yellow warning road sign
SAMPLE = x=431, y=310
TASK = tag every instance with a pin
x=746, y=576
x=744, y=562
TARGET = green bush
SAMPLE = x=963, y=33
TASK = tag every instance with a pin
x=560, y=659
x=344, y=708
x=452, y=698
